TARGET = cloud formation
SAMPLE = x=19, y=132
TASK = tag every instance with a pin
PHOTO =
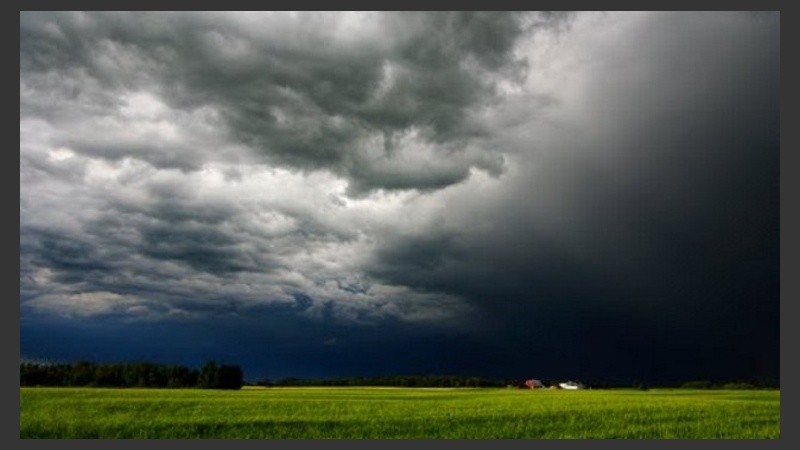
x=386, y=101
x=539, y=177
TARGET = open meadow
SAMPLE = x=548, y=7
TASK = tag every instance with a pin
x=375, y=413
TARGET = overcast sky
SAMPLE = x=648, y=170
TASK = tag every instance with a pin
x=584, y=195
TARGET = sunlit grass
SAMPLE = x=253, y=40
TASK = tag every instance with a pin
x=348, y=413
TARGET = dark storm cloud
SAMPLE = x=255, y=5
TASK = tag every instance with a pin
x=593, y=195
x=652, y=225
x=352, y=94
x=383, y=100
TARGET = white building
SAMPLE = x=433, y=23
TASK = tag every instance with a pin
x=571, y=385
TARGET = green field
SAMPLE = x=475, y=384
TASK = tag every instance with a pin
x=352, y=413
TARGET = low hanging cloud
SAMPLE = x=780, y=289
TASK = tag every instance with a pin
x=198, y=242
x=547, y=178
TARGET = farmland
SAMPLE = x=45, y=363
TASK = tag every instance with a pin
x=373, y=413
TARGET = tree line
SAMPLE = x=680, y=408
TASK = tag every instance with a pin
x=456, y=381
x=213, y=375
x=140, y=374
x=708, y=384
x=388, y=381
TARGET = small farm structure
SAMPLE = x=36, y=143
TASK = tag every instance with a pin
x=533, y=384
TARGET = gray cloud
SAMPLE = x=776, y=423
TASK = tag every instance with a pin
x=385, y=100
x=546, y=178
x=128, y=121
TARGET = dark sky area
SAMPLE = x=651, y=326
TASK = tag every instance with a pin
x=589, y=196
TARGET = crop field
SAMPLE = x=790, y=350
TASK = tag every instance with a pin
x=392, y=413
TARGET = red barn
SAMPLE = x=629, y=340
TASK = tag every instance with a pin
x=534, y=384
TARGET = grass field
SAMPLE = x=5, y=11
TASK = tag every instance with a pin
x=352, y=413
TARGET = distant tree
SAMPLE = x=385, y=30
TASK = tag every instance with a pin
x=82, y=374
x=209, y=375
x=230, y=377
x=697, y=384
x=289, y=381
x=265, y=382
x=108, y=375
x=738, y=385
x=214, y=376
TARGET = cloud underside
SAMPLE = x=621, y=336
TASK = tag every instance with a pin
x=413, y=167
x=385, y=101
